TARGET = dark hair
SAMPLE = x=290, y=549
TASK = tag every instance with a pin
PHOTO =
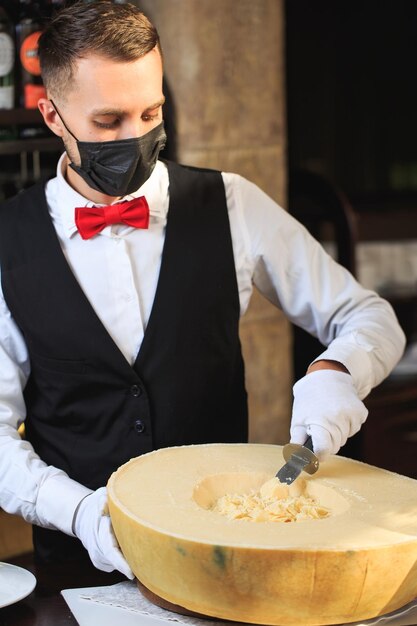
x=118, y=31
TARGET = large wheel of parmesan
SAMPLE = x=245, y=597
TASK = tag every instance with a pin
x=358, y=562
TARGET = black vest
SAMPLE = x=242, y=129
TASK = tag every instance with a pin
x=88, y=410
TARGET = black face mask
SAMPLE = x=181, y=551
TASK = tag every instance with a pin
x=120, y=167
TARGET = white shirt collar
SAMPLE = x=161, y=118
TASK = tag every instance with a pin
x=67, y=198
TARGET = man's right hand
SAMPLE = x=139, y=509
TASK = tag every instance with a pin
x=93, y=527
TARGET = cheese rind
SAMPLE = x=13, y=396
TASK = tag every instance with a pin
x=358, y=563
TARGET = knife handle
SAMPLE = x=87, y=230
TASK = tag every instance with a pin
x=309, y=443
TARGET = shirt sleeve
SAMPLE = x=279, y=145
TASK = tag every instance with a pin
x=41, y=494
x=292, y=270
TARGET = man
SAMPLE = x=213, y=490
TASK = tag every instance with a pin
x=119, y=329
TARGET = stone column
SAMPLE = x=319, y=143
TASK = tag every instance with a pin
x=224, y=63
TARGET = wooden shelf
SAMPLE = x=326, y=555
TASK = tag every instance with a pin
x=41, y=144
x=26, y=117
x=18, y=117
x=400, y=225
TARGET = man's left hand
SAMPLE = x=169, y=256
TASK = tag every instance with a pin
x=327, y=407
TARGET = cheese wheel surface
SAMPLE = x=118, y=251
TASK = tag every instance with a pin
x=358, y=562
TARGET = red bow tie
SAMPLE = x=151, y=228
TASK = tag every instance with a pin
x=92, y=220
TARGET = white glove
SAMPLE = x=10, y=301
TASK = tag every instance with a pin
x=326, y=406
x=93, y=527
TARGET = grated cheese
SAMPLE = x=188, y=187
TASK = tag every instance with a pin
x=256, y=507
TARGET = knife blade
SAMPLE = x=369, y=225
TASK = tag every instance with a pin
x=298, y=458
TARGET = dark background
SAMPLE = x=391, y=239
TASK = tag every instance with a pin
x=352, y=92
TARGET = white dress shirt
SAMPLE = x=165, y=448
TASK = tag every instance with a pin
x=118, y=272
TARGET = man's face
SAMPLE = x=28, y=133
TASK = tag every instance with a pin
x=107, y=100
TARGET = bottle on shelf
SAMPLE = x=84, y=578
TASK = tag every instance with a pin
x=30, y=86
x=7, y=61
x=28, y=31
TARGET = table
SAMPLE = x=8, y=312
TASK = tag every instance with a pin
x=45, y=606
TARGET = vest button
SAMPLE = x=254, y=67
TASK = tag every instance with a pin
x=135, y=390
x=139, y=426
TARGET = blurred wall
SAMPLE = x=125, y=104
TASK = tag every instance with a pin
x=224, y=65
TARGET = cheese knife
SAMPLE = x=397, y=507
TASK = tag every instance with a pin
x=298, y=458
